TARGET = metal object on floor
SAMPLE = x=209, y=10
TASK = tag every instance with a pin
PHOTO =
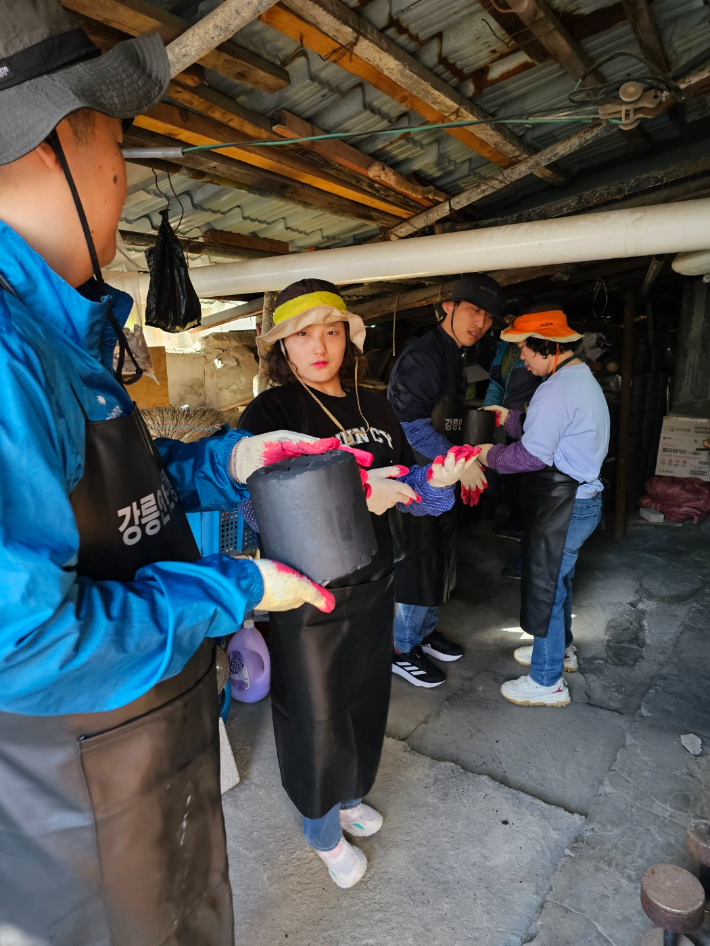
x=697, y=840
x=673, y=899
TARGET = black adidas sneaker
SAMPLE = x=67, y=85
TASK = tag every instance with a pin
x=436, y=645
x=417, y=668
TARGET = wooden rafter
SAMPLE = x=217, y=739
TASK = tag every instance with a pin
x=252, y=125
x=644, y=187
x=340, y=153
x=194, y=129
x=229, y=172
x=544, y=24
x=136, y=17
x=500, y=181
x=643, y=23
x=335, y=32
x=220, y=243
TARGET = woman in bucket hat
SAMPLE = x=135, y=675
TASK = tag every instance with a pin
x=111, y=827
x=559, y=454
x=331, y=677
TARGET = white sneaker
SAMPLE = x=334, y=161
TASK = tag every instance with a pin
x=525, y=692
x=346, y=864
x=524, y=656
x=360, y=822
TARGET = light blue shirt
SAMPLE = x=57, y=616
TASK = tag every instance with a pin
x=567, y=424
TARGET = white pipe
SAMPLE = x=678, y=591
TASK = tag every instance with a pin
x=693, y=264
x=615, y=234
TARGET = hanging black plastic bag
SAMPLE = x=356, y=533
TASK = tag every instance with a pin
x=172, y=303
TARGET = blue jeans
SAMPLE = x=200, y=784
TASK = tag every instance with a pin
x=325, y=833
x=412, y=623
x=548, y=654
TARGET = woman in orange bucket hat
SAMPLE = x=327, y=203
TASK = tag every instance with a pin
x=559, y=451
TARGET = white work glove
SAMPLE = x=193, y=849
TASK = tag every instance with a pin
x=473, y=481
x=501, y=413
x=252, y=453
x=447, y=470
x=285, y=588
x=385, y=491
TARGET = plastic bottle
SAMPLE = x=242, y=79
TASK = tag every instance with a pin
x=249, y=665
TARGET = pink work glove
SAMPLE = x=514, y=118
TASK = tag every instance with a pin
x=385, y=491
x=459, y=465
x=285, y=588
x=252, y=453
x=501, y=413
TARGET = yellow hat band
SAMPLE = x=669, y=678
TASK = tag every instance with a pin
x=294, y=307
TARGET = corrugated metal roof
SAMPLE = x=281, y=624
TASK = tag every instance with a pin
x=454, y=39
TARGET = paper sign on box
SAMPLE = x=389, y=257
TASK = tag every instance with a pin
x=680, y=451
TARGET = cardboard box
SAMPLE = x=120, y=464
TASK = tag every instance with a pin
x=680, y=451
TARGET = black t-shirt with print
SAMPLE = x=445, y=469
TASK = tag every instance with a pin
x=291, y=407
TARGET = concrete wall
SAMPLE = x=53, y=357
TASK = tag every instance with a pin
x=691, y=390
x=186, y=379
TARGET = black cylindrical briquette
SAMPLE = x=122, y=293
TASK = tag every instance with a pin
x=478, y=426
x=312, y=515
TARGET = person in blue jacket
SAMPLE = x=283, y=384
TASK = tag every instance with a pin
x=111, y=828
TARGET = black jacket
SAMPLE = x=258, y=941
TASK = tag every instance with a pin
x=427, y=369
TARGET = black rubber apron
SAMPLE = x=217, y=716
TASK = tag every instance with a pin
x=330, y=692
x=548, y=499
x=425, y=546
x=111, y=827
x=331, y=676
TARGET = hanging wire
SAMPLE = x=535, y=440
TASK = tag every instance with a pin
x=394, y=324
x=163, y=194
x=598, y=285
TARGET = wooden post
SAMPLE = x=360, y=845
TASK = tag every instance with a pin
x=622, y=450
x=267, y=322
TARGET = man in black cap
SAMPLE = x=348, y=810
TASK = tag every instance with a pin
x=427, y=390
x=111, y=828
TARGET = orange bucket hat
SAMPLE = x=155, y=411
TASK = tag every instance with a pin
x=551, y=326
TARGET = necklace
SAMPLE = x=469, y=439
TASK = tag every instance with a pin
x=347, y=436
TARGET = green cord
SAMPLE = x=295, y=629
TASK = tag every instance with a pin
x=277, y=142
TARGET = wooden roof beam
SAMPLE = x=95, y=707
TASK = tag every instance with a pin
x=251, y=125
x=337, y=33
x=545, y=25
x=291, y=126
x=195, y=129
x=221, y=243
x=227, y=172
x=643, y=23
x=135, y=17
x=500, y=181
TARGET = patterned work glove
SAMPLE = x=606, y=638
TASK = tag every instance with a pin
x=447, y=470
x=501, y=413
x=285, y=588
x=473, y=482
x=252, y=453
x=386, y=491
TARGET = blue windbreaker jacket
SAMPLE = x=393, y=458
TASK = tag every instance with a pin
x=69, y=644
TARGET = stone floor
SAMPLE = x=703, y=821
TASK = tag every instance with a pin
x=506, y=825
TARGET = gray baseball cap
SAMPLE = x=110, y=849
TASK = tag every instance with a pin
x=49, y=68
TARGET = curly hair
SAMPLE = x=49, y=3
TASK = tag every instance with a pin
x=278, y=371
x=546, y=348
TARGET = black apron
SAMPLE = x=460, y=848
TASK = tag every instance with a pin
x=111, y=827
x=425, y=546
x=331, y=676
x=548, y=499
